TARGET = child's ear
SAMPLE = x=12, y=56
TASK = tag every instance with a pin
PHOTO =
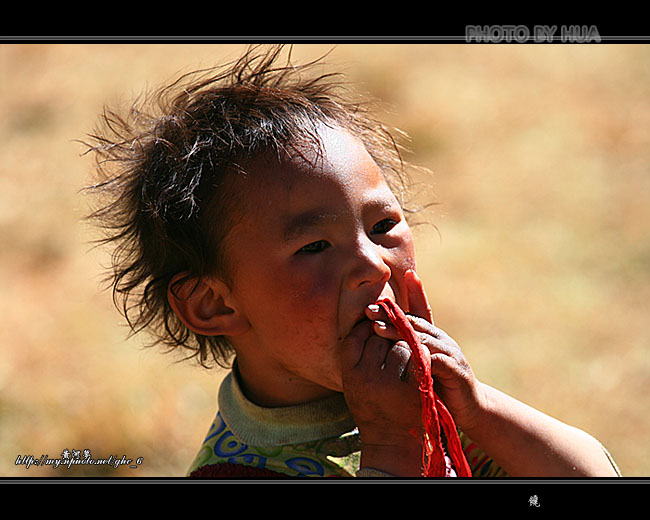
x=205, y=306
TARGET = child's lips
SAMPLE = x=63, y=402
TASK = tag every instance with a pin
x=358, y=320
x=358, y=328
x=362, y=316
x=361, y=320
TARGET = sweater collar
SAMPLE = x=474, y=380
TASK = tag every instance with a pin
x=297, y=424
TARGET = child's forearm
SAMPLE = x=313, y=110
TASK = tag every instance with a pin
x=527, y=443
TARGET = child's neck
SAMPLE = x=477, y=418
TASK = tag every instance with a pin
x=273, y=391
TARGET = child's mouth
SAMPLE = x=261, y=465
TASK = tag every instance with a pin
x=360, y=320
x=362, y=317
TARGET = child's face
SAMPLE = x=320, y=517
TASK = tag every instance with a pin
x=315, y=245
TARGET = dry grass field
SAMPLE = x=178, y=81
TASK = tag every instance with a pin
x=538, y=264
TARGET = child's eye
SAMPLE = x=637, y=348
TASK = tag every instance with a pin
x=384, y=226
x=314, y=247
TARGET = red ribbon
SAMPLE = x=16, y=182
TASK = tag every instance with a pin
x=435, y=416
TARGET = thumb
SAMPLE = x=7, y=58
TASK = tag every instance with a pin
x=353, y=345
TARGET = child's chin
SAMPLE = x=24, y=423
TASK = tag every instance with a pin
x=337, y=387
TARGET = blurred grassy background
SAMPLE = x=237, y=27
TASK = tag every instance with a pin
x=540, y=267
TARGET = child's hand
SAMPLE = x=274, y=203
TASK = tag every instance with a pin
x=382, y=394
x=381, y=387
x=453, y=378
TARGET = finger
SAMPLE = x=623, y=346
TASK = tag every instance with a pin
x=417, y=298
x=432, y=343
x=386, y=330
x=382, y=325
x=446, y=368
x=374, y=353
x=398, y=360
x=426, y=327
x=354, y=344
x=435, y=346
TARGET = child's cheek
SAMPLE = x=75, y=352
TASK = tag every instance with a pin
x=402, y=260
x=312, y=294
x=405, y=262
x=314, y=307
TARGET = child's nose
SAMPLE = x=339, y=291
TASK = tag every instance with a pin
x=369, y=265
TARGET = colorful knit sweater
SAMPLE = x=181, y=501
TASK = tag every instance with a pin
x=317, y=439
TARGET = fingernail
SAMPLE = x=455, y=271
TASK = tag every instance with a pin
x=373, y=308
x=381, y=325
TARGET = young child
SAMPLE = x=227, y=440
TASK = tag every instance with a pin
x=258, y=216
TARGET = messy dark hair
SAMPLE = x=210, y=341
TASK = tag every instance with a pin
x=162, y=167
